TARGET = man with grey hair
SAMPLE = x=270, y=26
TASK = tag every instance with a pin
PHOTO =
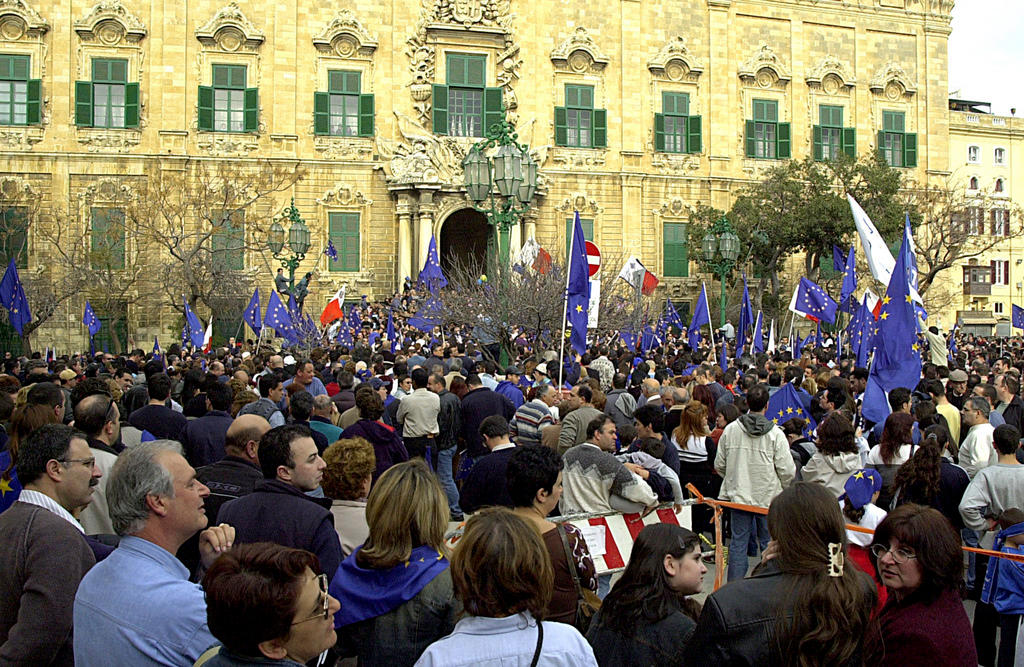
x=138, y=606
x=43, y=550
x=680, y=397
x=324, y=409
x=533, y=416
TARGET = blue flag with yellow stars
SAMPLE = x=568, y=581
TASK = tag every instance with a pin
x=785, y=404
x=897, y=361
x=814, y=302
x=1018, y=317
x=251, y=315
x=578, y=288
x=746, y=319
x=861, y=333
x=846, y=301
x=89, y=319
x=278, y=318
x=194, y=332
x=431, y=275
x=390, y=331
x=12, y=297
x=701, y=316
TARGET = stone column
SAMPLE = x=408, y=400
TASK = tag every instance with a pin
x=403, y=265
x=424, y=227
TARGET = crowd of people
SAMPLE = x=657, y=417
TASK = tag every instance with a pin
x=250, y=506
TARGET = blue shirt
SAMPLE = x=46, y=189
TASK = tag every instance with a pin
x=478, y=641
x=315, y=388
x=137, y=607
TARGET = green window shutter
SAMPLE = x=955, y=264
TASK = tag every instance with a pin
x=206, y=108
x=659, y=132
x=366, y=113
x=910, y=149
x=494, y=110
x=694, y=135
x=83, y=103
x=14, y=235
x=131, y=105
x=321, y=113
x=343, y=229
x=107, y=238
x=440, y=110
x=880, y=146
x=600, y=134
x=34, y=115
x=819, y=151
x=572, y=96
x=751, y=142
x=561, y=127
x=850, y=141
x=252, y=110
x=588, y=231
x=782, y=141
x=676, y=250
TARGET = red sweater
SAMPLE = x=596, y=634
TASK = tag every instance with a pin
x=917, y=634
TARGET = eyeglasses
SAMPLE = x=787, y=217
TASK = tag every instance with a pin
x=88, y=463
x=325, y=602
x=899, y=554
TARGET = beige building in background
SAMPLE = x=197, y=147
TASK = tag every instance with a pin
x=636, y=110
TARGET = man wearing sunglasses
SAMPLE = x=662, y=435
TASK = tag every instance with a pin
x=268, y=604
x=43, y=551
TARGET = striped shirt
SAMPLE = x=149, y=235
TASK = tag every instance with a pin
x=48, y=503
x=528, y=421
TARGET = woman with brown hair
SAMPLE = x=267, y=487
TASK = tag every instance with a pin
x=836, y=457
x=804, y=605
x=917, y=554
x=350, y=465
x=502, y=575
x=895, y=448
x=396, y=589
x=696, y=458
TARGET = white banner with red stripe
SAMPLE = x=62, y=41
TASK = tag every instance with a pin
x=610, y=536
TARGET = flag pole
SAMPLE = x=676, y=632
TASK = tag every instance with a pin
x=565, y=311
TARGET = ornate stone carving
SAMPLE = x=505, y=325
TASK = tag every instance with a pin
x=346, y=37
x=18, y=19
x=674, y=208
x=579, y=202
x=892, y=81
x=227, y=144
x=674, y=62
x=109, y=23
x=764, y=69
x=578, y=157
x=579, y=53
x=831, y=75
x=421, y=157
x=12, y=188
x=230, y=30
x=675, y=164
x=344, y=195
x=107, y=190
x=104, y=140
x=344, y=148
x=486, y=19
x=20, y=138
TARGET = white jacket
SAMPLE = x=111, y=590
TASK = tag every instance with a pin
x=754, y=461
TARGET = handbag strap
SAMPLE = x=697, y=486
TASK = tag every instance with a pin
x=568, y=557
x=540, y=640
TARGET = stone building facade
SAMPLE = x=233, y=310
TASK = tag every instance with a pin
x=636, y=111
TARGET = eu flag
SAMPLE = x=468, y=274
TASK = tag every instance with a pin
x=837, y=259
x=12, y=297
x=812, y=300
x=671, y=316
x=897, y=361
x=193, y=327
x=1018, y=317
x=846, y=301
x=428, y=316
x=252, y=312
x=723, y=359
x=785, y=404
x=390, y=331
x=628, y=338
x=578, y=288
x=861, y=333
x=331, y=251
x=701, y=316
x=746, y=319
x=354, y=320
x=90, y=320
x=758, y=342
x=431, y=275
x=278, y=319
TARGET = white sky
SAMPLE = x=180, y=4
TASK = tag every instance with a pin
x=986, y=53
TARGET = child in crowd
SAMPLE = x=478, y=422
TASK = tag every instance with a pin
x=858, y=502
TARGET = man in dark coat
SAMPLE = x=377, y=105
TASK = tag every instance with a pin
x=155, y=417
x=278, y=510
x=477, y=405
x=203, y=438
x=485, y=484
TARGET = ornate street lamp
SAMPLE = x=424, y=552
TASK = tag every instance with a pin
x=298, y=243
x=721, y=248
x=501, y=186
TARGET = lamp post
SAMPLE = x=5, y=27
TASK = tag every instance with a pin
x=501, y=185
x=721, y=248
x=298, y=243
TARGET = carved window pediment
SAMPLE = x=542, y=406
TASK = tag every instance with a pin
x=110, y=23
x=230, y=30
x=18, y=19
x=346, y=37
x=579, y=202
x=579, y=53
x=674, y=62
x=764, y=69
x=892, y=81
x=831, y=75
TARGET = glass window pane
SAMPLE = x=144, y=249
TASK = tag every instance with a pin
x=237, y=121
x=20, y=92
x=5, y=92
x=220, y=120
x=220, y=99
x=117, y=95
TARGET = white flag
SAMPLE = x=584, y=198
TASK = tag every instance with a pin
x=633, y=272
x=595, y=304
x=771, y=338
x=528, y=253
x=880, y=259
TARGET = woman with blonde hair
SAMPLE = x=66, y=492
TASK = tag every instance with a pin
x=502, y=574
x=350, y=465
x=396, y=589
x=692, y=439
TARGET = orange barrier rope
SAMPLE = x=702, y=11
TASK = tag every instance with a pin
x=719, y=505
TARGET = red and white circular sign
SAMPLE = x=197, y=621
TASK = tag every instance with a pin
x=593, y=258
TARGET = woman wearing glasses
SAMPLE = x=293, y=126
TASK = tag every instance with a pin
x=917, y=554
x=268, y=605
